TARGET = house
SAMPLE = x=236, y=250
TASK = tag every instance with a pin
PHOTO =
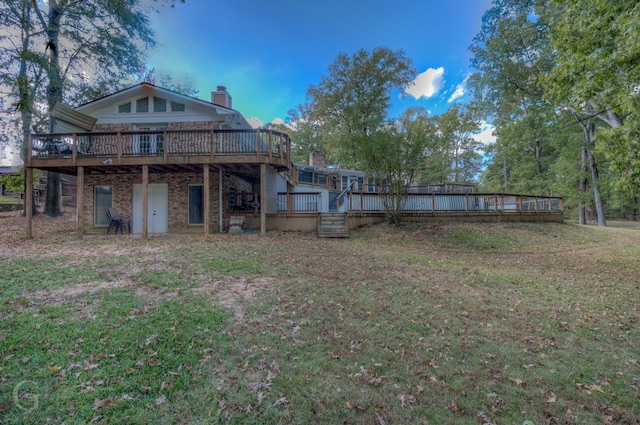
x=171, y=162
x=177, y=164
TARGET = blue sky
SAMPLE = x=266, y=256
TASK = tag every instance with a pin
x=267, y=52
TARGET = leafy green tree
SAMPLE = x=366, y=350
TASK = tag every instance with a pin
x=351, y=103
x=462, y=152
x=69, y=51
x=394, y=155
x=306, y=134
x=597, y=73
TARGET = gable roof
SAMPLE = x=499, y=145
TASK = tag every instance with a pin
x=138, y=87
x=98, y=106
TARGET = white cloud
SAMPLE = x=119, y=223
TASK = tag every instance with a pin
x=277, y=121
x=255, y=122
x=485, y=135
x=459, y=92
x=427, y=84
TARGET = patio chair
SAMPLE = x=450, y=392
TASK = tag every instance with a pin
x=117, y=221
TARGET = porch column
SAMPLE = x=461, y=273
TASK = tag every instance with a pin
x=28, y=201
x=205, y=172
x=145, y=200
x=263, y=199
x=220, y=200
x=80, y=203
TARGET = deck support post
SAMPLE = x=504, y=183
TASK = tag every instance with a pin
x=145, y=201
x=28, y=202
x=263, y=199
x=205, y=172
x=80, y=203
x=220, y=201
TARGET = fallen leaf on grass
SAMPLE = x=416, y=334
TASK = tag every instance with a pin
x=552, y=398
x=588, y=389
x=161, y=400
x=406, y=399
x=281, y=400
x=99, y=404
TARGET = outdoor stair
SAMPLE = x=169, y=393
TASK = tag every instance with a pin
x=333, y=225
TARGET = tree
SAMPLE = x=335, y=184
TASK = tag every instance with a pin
x=394, y=154
x=529, y=56
x=306, y=134
x=79, y=50
x=463, y=159
x=597, y=73
x=351, y=102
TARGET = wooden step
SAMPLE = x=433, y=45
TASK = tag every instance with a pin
x=332, y=225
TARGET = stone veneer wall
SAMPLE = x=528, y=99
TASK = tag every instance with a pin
x=178, y=195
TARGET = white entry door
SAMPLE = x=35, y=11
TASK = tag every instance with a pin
x=158, y=208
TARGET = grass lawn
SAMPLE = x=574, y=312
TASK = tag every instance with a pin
x=426, y=324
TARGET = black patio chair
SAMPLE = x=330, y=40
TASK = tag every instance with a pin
x=117, y=221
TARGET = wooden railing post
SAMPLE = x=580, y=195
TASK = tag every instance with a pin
x=466, y=203
x=290, y=202
x=74, y=149
x=165, y=143
x=212, y=145
x=270, y=146
x=119, y=146
x=520, y=203
x=258, y=143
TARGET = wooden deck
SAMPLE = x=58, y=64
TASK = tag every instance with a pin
x=238, y=151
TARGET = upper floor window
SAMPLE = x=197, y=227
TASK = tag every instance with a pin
x=142, y=105
x=177, y=107
x=159, y=104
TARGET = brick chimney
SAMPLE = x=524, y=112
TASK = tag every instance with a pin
x=221, y=97
x=317, y=159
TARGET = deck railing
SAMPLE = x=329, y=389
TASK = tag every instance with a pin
x=471, y=203
x=161, y=142
x=460, y=202
x=298, y=202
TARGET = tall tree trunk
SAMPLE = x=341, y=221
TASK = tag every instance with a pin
x=582, y=217
x=538, y=153
x=589, y=130
x=596, y=191
x=25, y=103
x=54, y=95
x=589, y=135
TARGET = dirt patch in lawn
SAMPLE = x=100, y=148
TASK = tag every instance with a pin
x=234, y=293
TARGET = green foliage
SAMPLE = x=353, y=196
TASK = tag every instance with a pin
x=351, y=102
x=538, y=60
x=454, y=156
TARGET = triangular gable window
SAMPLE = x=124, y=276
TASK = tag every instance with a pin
x=125, y=108
x=177, y=107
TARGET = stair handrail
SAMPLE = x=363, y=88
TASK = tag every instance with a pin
x=346, y=189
